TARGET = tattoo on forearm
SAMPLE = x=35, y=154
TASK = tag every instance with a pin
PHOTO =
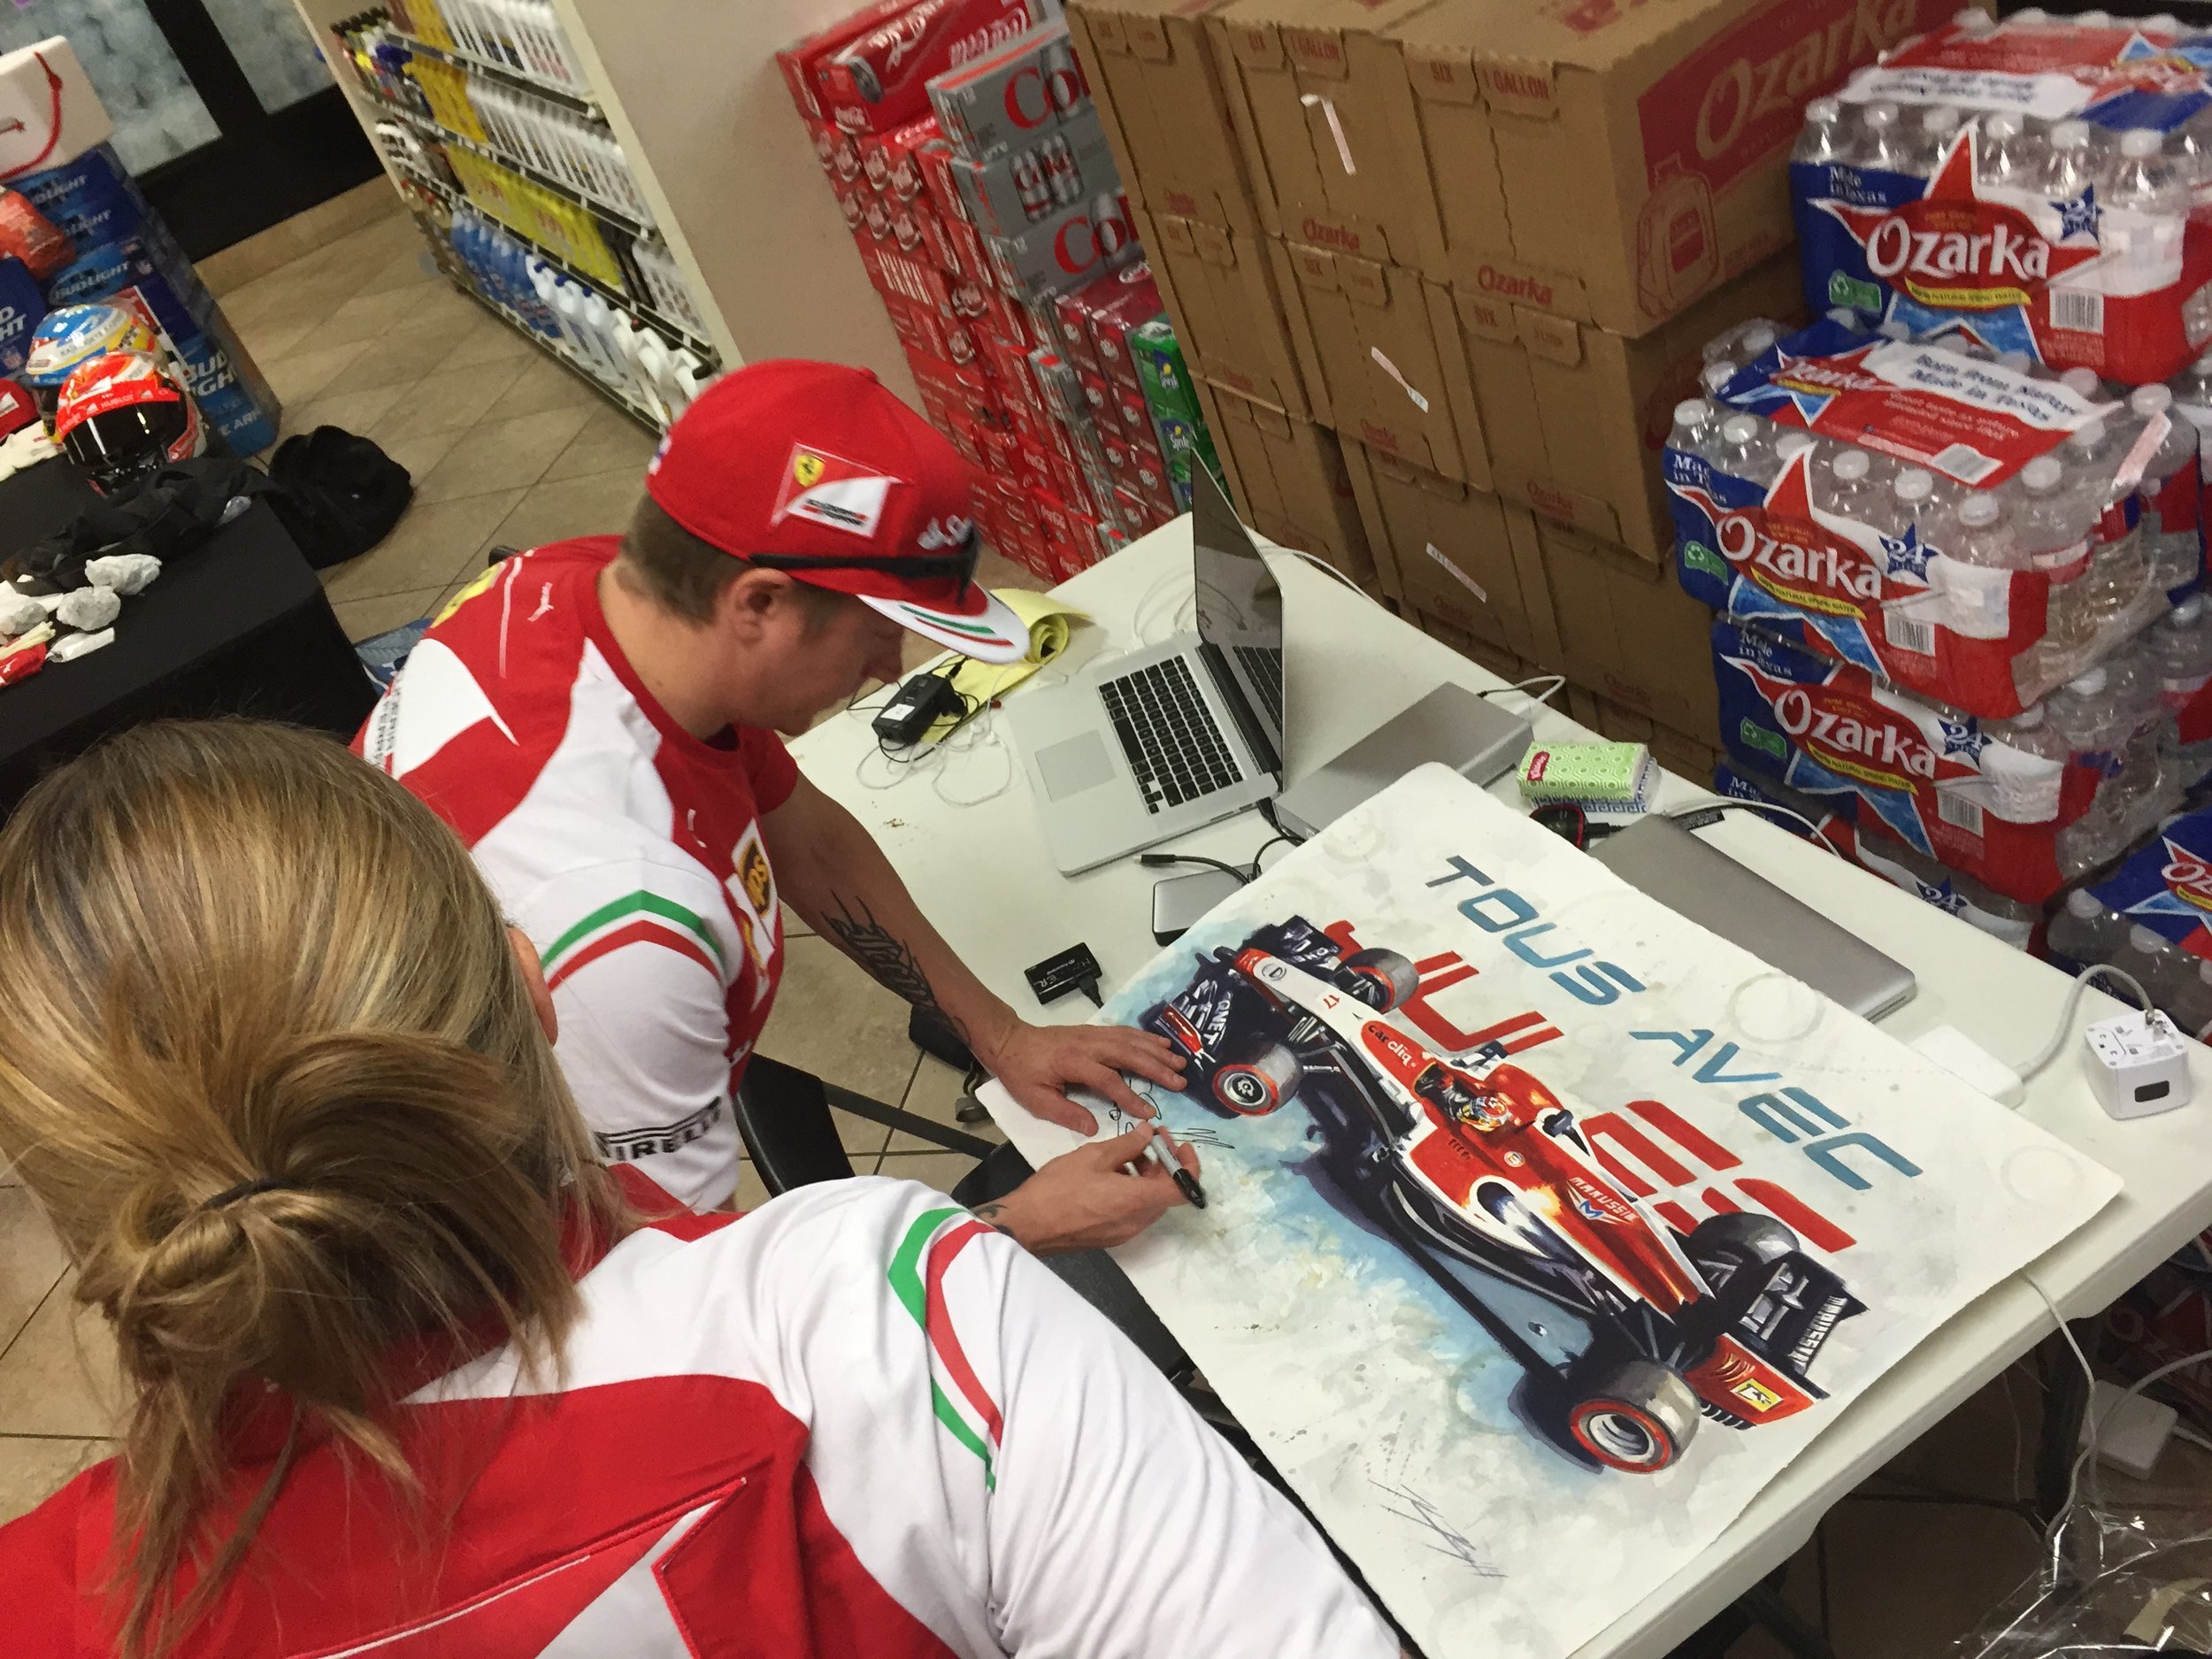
x=988, y=1215
x=887, y=958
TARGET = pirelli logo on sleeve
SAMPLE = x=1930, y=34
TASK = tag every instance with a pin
x=627, y=1145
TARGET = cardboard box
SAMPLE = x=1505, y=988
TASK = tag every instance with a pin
x=1669, y=125
x=1221, y=291
x=1154, y=78
x=1453, y=552
x=1317, y=92
x=1573, y=417
x=1386, y=351
x=1287, y=477
x=1628, y=632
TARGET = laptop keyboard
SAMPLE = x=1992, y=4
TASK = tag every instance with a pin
x=1262, y=667
x=1172, y=743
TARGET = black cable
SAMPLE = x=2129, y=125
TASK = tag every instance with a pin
x=1267, y=812
x=1280, y=840
x=1160, y=861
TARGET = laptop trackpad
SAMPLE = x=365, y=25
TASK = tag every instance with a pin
x=1078, y=764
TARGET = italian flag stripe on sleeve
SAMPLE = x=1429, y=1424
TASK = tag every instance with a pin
x=634, y=917
x=962, y=1405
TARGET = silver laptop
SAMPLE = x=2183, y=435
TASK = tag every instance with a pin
x=1661, y=858
x=1168, y=739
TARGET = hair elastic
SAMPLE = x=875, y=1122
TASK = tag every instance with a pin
x=244, y=1189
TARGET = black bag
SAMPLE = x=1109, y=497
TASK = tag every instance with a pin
x=337, y=493
x=170, y=513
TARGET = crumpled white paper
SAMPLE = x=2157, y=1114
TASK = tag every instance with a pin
x=126, y=574
x=90, y=609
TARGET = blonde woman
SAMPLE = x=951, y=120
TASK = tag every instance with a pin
x=407, y=1371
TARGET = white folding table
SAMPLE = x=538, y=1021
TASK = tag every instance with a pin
x=964, y=836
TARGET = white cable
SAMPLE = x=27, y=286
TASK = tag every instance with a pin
x=1732, y=804
x=1316, y=560
x=2065, y=1028
x=2088, y=1452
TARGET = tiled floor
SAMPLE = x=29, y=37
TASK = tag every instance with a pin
x=508, y=447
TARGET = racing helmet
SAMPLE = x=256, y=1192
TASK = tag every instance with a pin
x=72, y=336
x=120, y=419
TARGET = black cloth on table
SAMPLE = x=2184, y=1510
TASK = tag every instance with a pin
x=238, y=626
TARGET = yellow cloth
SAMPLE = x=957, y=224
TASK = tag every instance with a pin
x=1050, y=622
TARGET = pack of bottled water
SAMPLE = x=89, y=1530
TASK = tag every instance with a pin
x=2149, y=916
x=2023, y=806
x=2029, y=182
x=1965, y=525
x=1926, y=878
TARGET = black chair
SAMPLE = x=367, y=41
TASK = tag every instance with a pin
x=783, y=1115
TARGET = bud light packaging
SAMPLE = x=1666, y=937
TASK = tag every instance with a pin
x=1013, y=98
x=1935, y=781
x=2029, y=183
x=1959, y=526
x=879, y=79
x=22, y=306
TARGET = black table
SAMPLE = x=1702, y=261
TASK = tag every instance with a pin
x=238, y=626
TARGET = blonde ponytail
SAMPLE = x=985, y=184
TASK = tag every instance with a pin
x=269, y=1063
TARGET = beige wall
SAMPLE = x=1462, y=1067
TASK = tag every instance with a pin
x=697, y=93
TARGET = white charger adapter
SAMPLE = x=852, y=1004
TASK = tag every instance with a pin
x=2139, y=1065
x=2130, y=1431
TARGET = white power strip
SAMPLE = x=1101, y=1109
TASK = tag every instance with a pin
x=2139, y=1065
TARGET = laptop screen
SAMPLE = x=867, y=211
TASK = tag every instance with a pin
x=1240, y=607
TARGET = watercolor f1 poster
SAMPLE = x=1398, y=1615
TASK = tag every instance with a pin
x=1545, y=1228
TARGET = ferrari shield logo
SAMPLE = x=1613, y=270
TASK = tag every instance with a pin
x=752, y=885
x=1756, y=1395
x=826, y=489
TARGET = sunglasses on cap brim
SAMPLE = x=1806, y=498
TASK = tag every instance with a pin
x=961, y=563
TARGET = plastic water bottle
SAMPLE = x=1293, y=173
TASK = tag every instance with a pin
x=2071, y=165
x=2180, y=644
x=2031, y=733
x=2194, y=384
x=2084, y=929
x=2026, y=792
x=1882, y=141
x=2088, y=716
x=1696, y=426
x=1916, y=501
x=1931, y=135
x=1825, y=137
x=1715, y=375
x=2053, y=523
x=2144, y=180
x=1746, y=451
x=2171, y=494
x=1849, y=487
x=1979, y=559
x=2007, y=158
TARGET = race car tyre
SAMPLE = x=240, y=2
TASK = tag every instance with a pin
x=1637, y=1419
x=1742, y=1239
x=1380, y=979
x=1259, y=1080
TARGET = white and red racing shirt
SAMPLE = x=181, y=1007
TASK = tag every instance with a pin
x=627, y=850
x=856, y=1423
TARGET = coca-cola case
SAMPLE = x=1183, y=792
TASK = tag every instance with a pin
x=1965, y=228
x=1895, y=607
x=1064, y=252
x=879, y=79
x=1110, y=309
x=1005, y=194
x=1934, y=781
x=1013, y=98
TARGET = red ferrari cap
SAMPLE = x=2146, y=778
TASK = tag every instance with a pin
x=16, y=408
x=818, y=460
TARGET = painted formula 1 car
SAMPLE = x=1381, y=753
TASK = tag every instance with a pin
x=1479, y=1174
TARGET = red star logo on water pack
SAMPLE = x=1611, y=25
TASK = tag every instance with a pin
x=1952, y=250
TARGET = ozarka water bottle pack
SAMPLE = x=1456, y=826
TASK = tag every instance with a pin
x=2035, y=183
x=1966, y=528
